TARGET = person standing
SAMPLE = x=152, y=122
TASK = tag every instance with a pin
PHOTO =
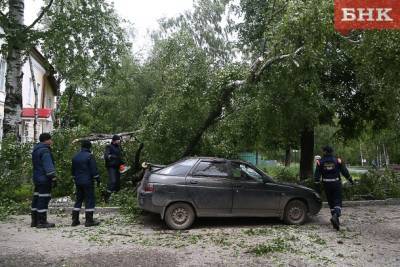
x=85, y=173
x=329, y=168
x=44, y=178
x=113, y=160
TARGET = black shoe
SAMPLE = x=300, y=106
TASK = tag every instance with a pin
x=89, y=219
x=335, y=222
x=75, y=218
x=42, y=221
x=34, y=218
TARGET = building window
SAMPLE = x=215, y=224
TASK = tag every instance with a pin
x=49, y=103
x=2, y=75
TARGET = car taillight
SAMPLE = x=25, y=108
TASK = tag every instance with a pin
x=149, y=187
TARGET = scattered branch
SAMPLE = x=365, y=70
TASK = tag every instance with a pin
x=42, y=12
x=101, y=136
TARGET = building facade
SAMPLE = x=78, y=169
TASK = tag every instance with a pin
x=46, y=89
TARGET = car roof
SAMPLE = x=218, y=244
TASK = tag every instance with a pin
x=216, y=159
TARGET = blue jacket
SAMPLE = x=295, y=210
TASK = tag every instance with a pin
x=330, y=168
x=84, y=168
x=43, y=164
x=113, y=156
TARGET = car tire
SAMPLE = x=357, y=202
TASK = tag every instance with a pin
x=295, y=212
x=179, y=216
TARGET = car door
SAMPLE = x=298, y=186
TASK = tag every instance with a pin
x=210, y=188
x=252, y=195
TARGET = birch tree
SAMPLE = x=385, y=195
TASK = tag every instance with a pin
x=19, y=38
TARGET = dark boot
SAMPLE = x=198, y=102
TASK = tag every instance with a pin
x=42, y=221
x=75, y=218
x=335, y=222
x=34, y=218
x=89, y=220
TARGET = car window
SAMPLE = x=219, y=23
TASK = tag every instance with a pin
x=245, y=172
x=207, y=168
x=180, y=168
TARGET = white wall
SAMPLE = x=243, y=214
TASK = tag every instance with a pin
x=28, y=95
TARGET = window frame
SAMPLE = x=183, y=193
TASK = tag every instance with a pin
x=264, y=177
x=227, y=169
x=175, y=164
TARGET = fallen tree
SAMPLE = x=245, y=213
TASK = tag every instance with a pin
x=254, y=75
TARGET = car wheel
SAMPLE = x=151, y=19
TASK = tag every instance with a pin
x=179, y=216
x=295, y=212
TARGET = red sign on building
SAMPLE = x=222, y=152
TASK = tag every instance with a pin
x=366, y=14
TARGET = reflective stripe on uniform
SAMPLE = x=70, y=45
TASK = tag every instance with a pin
x=35, y=193
x=89, y=210
x=44, y=195
x=77, y=209
x=33, y=209
x=97, y=176
x=331, y=180
x=41, y=211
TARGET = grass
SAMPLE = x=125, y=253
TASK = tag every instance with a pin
x=274, y=246
x=315, y=238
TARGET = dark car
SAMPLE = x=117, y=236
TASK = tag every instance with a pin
x=214, y=187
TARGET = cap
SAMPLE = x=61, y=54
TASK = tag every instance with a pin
x=86, y=144
x=327, y=149
x=44, y=137
x=116, y=137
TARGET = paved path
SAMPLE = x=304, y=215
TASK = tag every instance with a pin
x=370, y=236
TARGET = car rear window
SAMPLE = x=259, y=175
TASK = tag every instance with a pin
x=180, y=168
x=207, y=168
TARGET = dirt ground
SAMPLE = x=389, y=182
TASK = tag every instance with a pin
x=370, y=236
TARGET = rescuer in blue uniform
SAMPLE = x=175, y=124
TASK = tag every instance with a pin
x=330, y=168
x=113, y=159
x=44, y=178
x=85, y=173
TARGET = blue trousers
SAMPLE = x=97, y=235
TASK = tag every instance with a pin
x=85, y=193
x=114, y=183
x=41, y=197
x=333, y=191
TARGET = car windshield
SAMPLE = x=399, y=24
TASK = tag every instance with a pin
x=179, y=168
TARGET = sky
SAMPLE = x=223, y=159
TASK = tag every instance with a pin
x=144, y=15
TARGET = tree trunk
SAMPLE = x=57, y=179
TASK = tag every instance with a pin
x=306, y=153
x=256, y=70
x=13, y=101
x=66, y=123
x=211, y=119
x=288, y=156
x=36, y=118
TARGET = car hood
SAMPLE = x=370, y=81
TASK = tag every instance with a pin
x=295, y=186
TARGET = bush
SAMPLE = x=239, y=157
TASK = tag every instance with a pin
x=283, y=174
x=15, y=167
x=375, y=185
x=126, y=199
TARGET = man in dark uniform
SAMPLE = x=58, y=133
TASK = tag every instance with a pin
x=84, y=171
x=44, y=178
x=330, y=167
x=113, y=158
